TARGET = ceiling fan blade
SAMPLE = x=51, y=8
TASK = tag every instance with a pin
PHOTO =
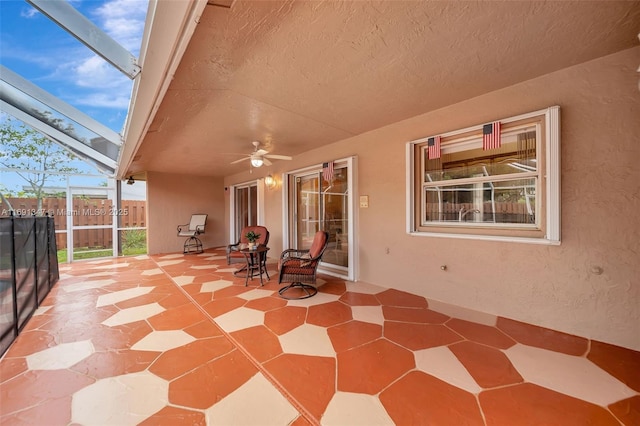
x=266, y=162
x=242, y=159
x=278, y=157
x=261, y=152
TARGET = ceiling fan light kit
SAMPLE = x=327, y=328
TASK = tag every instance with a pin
x=256, y=161
x=260, y=156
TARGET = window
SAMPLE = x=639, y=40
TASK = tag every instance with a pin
x=509, y=192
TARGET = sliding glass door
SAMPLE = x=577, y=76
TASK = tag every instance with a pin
x=318, y=202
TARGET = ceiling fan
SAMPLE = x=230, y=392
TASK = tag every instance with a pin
x=261, y=156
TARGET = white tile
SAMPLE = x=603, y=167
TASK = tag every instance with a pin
x=355, y=409
x=365, y=288
x=61, y=356
x=203, y=267
x=113, y=266
x=256, y=293
x=307, y=340
x=372, y=314
x=229, y=269
x=239, y=319
x=183, y=279
x=172, y=256
x=318, y=299
x=257, y=402
x=121, y=400
x=87, y=285
x=440, y=362
x=155, y=271
x=571, y=375
x=136, y=313
x=42, y=310
x=462, y=313
x=163, y=341
x=170, y=262
x=119, y=296
x=211, y=286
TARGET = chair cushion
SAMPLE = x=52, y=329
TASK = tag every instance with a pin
x=306, y=260
x=318, y=243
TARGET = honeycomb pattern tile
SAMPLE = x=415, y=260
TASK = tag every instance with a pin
x=136, y=396
x=61, y=356
x=179, y=340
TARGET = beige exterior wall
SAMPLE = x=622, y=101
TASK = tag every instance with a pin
x=558, y=287
x=172, y=199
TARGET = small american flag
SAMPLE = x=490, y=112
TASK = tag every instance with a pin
x=327, y=171
x=491, y=136
x=434, y=147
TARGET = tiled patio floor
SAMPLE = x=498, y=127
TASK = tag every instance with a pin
x=177, y=340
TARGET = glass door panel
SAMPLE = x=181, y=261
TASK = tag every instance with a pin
x=307, y=207
x=318, y=204
x=246, y=208
x=336, y=218
x=91, y=218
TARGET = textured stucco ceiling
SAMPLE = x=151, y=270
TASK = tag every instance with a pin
x=299, y=74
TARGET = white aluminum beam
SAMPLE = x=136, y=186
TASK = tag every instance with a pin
x=59, y=137
x=76, y=24
x=58, y=105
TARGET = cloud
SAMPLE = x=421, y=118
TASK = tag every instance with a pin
x=29, y=12
x=124, y=21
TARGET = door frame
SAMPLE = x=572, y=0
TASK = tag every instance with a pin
x=352, y=167
x=260, y=188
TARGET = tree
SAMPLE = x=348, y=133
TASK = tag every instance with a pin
x=33, y=157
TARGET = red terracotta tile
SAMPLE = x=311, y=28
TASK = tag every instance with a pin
x=543, y=337
x=481, y=333
x=283, y=320
x=266, y=303
x=528, y=404
x=627, y=411
x=36, y=387
x=489, y=367
x=120, y=337
x=211, y=382
x=352, y=334
x=204, y=329
x=421, y=315
x=141, y=300
x=359, y=299
x=177, y=318
x=218, y=307
x=419, y=336
x=114, y=363
x=260, y=342
x=302, y=421
x=310, y=380
x=180, y=360
x=174, y=416
x=331, y=286
x=29, y=342
x=622, y=363
x=328, y=314
x=372, y=367
x=55, y=411
x=11, y=367
x=393, y=297
x=421, y=399
x=171, y=301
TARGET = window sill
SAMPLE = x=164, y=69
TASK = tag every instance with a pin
x=542, y=241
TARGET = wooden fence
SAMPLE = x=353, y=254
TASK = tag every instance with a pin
x=85, y=212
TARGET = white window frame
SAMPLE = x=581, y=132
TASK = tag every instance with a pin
x=551, y=173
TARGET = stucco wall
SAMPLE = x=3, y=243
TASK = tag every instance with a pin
x=558, y=287
x=172, y=199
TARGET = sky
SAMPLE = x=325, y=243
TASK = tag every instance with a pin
x=37, y=49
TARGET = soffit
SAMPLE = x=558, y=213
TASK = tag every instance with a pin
x=297, y=75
